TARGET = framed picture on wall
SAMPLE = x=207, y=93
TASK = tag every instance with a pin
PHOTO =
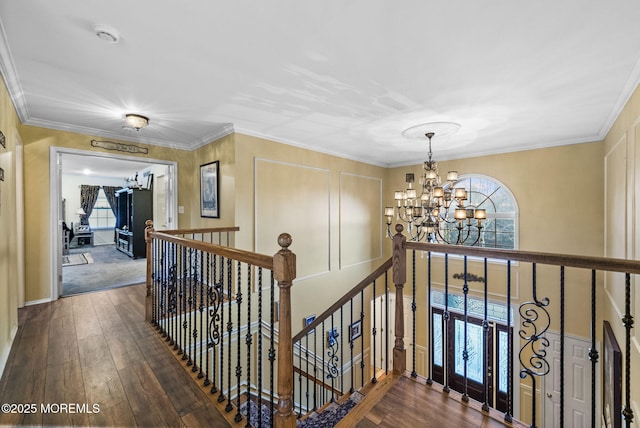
x=209, y=190
x=611, y=380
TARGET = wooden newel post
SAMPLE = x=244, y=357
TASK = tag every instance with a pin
x=399, y=279
x=284, y=271
x=147, y=230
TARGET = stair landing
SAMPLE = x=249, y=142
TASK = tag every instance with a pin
x=411, y=403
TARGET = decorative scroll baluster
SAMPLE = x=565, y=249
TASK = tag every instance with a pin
x=341, y=349
x=535, y=323
x=465, y=352
x=306, y=355
x=485, y=340
x=627, y=320
x=183, y=304
x=324, y=375
x=332, y=357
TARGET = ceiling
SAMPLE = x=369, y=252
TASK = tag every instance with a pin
x=344, y=78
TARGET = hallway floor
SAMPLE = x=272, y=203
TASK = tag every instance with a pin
x=92, y=360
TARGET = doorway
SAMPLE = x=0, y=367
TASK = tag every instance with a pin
x=90, y=260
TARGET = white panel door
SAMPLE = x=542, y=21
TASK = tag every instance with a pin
x=577, y=383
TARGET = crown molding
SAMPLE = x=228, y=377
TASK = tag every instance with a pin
x=10, y=75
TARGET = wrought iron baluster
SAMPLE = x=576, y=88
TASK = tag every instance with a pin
x=362, y=339
x=259, y=351
x=445, y=329
x=221, y=368
x=351, y=389
x=209, y=286
x=306, y=355
x=485, y=339
x=239, y=298
x=535, y=323
x=414, y=308
x=374, y=335
x=341, y=335
x=249, y=343
x=508, y=416
x=272, y=350
x=229, y=406
x=193, y=334
x=562, y=346
x=183, y=306
x=324, y=376
x=430, y=322
x=332, y=357
x=593, y=352
x=465, y=352
x=315, y=370
x=627, y=320
x=386, y=328
x=202, y=284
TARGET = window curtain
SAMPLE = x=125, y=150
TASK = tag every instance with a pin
x=110, y=193
x=88, y=196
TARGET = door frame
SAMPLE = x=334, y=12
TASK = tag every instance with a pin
x=55, y=191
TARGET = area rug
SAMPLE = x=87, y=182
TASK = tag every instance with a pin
x=77, y=259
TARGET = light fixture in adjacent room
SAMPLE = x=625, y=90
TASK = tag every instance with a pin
x=136, y=121
x=434, y=212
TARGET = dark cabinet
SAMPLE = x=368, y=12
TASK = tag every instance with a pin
x=135, y=207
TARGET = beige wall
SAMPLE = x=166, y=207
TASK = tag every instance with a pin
x=273, y=196
x=37, y=143
x=622, y=239
x=9, y=257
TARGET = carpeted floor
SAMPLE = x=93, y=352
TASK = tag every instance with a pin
x=110, y=268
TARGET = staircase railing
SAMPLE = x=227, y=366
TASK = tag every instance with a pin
x=209, y=302
x=215, y=306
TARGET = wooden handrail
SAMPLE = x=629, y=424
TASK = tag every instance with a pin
x=248, y=257
x=201, y=230
x=585, y=262
x=316, y=381
x=344, y=299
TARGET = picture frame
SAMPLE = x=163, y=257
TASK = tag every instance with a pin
x=611, y=379
x=3, y=140
x=355, y=330
x=308, y=320
x=210, y=190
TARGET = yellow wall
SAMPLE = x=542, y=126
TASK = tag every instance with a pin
x=622, y=184
x=9, y=271
x=330, y=259
x=37, y=143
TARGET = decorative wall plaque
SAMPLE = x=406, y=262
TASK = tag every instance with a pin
x=3, y=141
x=121, y=147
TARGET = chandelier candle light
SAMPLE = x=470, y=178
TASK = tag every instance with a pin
x=438, y=213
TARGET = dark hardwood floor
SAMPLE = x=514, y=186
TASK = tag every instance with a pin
x=95, y=354
x=410, y=404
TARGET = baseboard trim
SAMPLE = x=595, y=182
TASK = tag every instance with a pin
x=4, y=356
x=37, y=302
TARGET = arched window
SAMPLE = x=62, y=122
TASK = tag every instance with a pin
x=501, y=226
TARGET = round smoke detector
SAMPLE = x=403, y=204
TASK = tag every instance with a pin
x=107, y=34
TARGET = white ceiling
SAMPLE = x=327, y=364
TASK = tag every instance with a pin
x=342, y=77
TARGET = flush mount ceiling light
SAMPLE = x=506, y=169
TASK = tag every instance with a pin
x=136, y=121
x=107, y=34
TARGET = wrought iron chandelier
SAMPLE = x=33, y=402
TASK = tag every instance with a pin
x=433, y=212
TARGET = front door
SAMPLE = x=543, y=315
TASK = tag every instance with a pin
x=490, y=385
